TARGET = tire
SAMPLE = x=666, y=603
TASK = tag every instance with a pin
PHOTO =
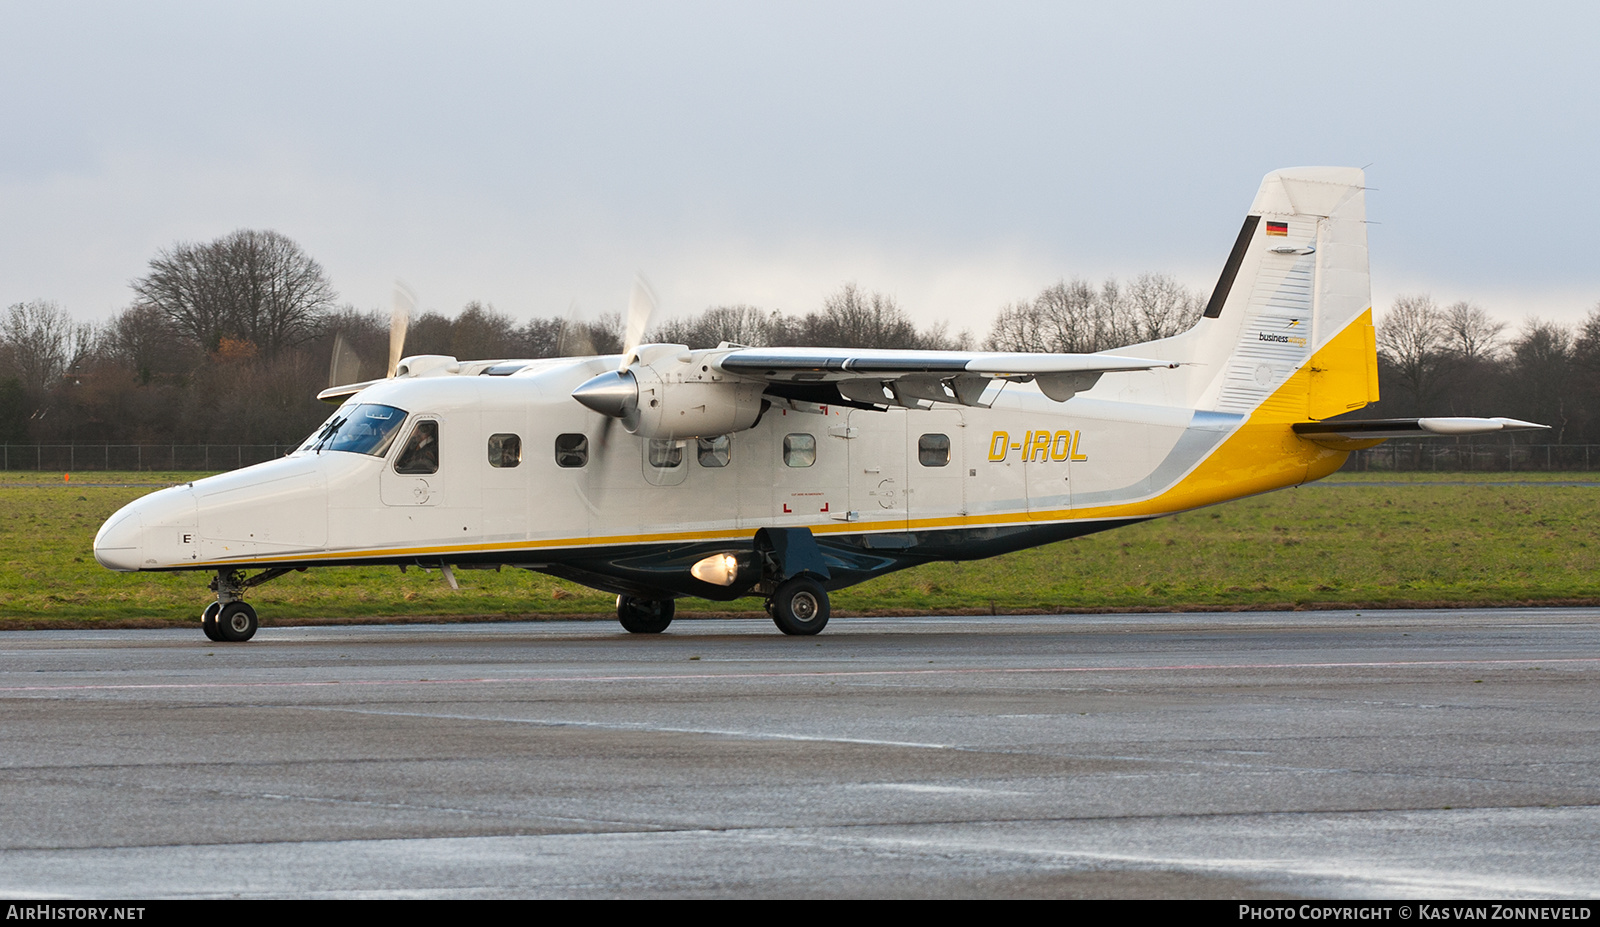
x=237, y=622
x=644, y=616
x=208, y=621
x=800, y=606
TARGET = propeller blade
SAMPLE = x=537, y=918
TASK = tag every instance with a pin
x=405, y=302
x=575, y=338
x=344, y=366
x=641, y=306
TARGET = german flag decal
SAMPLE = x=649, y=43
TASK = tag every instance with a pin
x=1277, y=228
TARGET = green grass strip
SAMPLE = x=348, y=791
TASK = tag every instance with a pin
x=1431, y=540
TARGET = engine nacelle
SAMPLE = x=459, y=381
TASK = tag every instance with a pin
x=668, y=393
x=684, y=401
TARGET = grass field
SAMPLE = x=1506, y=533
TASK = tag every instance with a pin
x=1358, y=540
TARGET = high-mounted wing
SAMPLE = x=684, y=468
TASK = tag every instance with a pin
x=915, y=378
x=670, y=391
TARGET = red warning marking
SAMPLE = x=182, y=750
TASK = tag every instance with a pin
x=786, y=509
x=824, y=507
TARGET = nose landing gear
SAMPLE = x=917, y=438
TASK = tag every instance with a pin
x=208, y=621
x=230, y=619
x=237, y=623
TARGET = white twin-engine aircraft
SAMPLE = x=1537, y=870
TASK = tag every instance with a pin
x=786, y=472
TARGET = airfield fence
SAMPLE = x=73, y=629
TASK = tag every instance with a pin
x=1393, y=456
x=66, y=458
x=1411, y=456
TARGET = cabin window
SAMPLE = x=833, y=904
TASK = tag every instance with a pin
x=933, y=450
x=664, y=453
x=505, y=450
x=421, y=453
x=572, y=450
x=364, y=428
x=799, y=450
x=715, y=452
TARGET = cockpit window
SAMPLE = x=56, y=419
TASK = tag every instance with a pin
x=367, y=428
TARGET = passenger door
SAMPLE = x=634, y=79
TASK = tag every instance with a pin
x=878, y=466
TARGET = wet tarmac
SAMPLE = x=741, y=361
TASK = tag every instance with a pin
x=1398, y=754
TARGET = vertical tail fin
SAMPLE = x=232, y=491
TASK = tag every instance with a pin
x=1288, y=329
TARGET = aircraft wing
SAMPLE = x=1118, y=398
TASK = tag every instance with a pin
x=914, y=378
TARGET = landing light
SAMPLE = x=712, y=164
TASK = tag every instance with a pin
x=717, y=569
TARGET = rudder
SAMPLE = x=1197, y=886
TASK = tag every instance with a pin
x=1294, y=295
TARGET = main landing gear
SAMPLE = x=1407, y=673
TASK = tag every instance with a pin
x=644, y=616
x=799, y=606
x=793, y=574
x=230, y=619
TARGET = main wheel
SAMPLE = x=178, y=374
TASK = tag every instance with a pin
x=208, y=621
x=800, y=606
x=237, y=622
x=644, y=616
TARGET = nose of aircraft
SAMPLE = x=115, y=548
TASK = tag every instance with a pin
x=119, y=546
x=146, y=531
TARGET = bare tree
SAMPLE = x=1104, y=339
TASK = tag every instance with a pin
x=39, y=342
x=1586, y=349
x=1411, y=339
x=1542, y=361
x=1162, y=307
x=938, y=338
x=141, y=339
x=480, y=333
x=14, y=412
x=1074, y=317
x=854, y=318
x=430, y=333
x=738, y=324
x=251, y=285
x=354, y=343
x=1469, y=333
x=1072, y=322
x=539, y=338
x=1018, y=327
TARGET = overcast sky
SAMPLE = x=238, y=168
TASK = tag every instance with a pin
x=958, y=156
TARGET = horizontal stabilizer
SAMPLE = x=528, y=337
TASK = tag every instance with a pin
x=1385, y=428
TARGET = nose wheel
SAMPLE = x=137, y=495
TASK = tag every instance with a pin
x=230, y=619
x=208, y=621
x=236, y=622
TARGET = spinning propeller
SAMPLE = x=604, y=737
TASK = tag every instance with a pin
x=615, y=393
x=405, y=302
x=345, y=365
